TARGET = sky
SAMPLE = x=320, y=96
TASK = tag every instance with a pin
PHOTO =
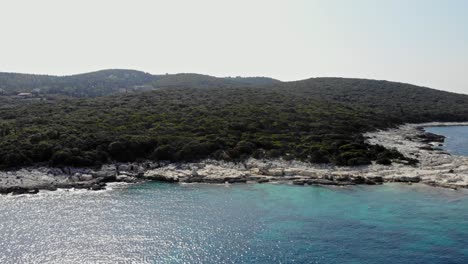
x=423, y=42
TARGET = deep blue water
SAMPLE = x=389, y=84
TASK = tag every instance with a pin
x=456, y=141
x=253, y=223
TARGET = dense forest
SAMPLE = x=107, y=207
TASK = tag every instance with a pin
x=108, y=82
x=398, y=102
x=319, y=120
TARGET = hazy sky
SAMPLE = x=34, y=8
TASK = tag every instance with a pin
x=423, y=42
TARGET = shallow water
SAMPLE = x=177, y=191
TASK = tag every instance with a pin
x=168, y=223
x=456, y=141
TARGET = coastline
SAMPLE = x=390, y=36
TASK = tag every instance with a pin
x=435, y=168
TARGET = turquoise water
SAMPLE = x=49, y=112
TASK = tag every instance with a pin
x=456, y=141
x=251, y=223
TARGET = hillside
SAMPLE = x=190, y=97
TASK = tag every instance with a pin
x=404, y=102
x=317, y=120
x=81, y=85
x=108, y=82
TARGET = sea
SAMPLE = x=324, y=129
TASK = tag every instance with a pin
x=456, y=141
x=241, y=223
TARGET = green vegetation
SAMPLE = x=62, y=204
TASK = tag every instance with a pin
x=396, y=102
x=317, y=120
x=81, y=85
x=206, y=81
x=108, y=82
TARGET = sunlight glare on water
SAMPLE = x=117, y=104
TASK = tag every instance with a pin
x=167, y=223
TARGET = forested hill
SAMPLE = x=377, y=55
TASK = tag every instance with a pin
x=81, y=85
x=317, y=120
x=191, y=80
x=108, y=82
x=403, y=101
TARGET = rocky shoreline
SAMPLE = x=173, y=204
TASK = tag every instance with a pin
x=435, y=168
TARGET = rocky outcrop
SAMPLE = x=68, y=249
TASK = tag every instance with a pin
x=211, y=171
x=407, y=179
x=18, y=190
x=31, y=180
x=321, y=182
x=166, y=176
x=197, y=173
x=427, y=137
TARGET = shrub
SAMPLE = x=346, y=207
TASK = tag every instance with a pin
x=164, y=152
x=319, y=157
x=358, y=161
x=120, y=151
x=62, y=157
x=15, y=159
x=384, y=161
